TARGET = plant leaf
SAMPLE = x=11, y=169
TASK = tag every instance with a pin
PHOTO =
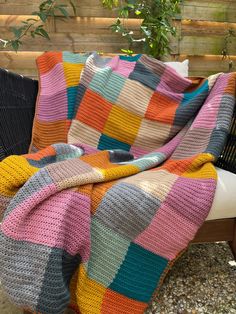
x=42, y=5
x=43, y=33
x=31, y=19
x=127, y=51
x=63, y=11
x=43, y=17
x=16, y=31
x=15, y=45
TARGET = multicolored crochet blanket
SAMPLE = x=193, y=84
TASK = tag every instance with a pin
x=96, y=224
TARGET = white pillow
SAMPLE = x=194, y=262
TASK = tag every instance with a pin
x=180, y=67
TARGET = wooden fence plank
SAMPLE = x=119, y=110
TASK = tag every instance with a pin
x=75, y=42
x=110, y=42
x=24, y=63
x=199, y=46
x=203, y=28
x=221, y=11
x=88, y=24
x=20, y=60
x=80, y=25
x=196, y=10
x=84, y=8
x=207, y=65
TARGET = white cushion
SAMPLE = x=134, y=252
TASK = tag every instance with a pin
x=224, y=204
x=180, y=67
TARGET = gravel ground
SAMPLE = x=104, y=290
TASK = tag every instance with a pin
x=202, y=281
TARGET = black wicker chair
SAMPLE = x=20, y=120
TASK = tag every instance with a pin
x=17, y=104
x=227, y=159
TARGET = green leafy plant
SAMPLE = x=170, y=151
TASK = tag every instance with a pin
x=156, y=26
x=36, y=26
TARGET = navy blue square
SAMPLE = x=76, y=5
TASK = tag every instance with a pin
x=80, y=94
x=145, y=76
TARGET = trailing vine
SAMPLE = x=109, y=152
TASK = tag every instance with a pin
x=36, y=26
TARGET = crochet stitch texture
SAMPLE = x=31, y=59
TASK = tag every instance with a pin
x=97, y=223
x=59, y=74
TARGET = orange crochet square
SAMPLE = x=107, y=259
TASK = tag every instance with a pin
x=161, y=108
x=99, y=160
x=45, y=152
x=85, y=189
x=114, y=303
x=177, y=166
x=48, y=60
x=93, y=110
x=99, y=190
x=48, y=133
x=68, y=124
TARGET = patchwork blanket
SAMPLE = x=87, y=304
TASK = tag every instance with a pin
x=97, y=223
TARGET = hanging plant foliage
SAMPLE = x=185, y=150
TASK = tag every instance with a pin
x=156, y=23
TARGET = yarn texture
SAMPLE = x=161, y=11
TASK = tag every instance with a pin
x=96, y=223
x=59, y=75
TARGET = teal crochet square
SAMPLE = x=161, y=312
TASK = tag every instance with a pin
x=139, y=273
x=107, y=142
x=71, y=98
x=107, y=84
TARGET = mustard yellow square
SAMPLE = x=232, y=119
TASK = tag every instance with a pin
x=72, y=73
x=122, y=125
x=201, y=168
x=87, y=293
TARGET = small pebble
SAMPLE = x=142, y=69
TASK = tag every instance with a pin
x=203, y=281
